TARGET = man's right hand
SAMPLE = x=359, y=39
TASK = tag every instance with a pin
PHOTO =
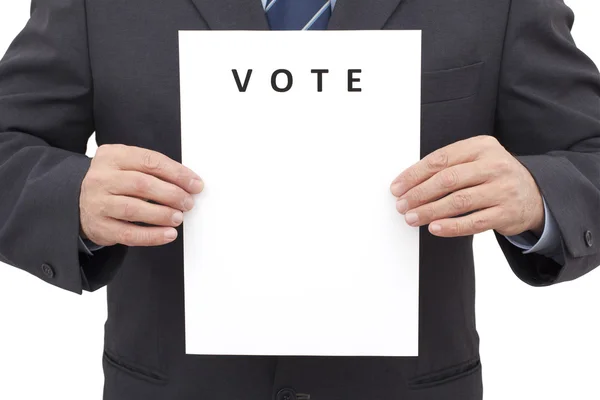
x=114, y=193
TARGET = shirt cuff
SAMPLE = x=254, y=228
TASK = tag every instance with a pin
x=88, y=247
x=549, y=244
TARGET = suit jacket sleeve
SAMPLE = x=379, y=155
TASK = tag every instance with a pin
x=46, y=119
x=548, y=114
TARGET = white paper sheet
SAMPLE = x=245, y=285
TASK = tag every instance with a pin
x=295, y=246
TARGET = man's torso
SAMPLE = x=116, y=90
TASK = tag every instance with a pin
x=133, y=51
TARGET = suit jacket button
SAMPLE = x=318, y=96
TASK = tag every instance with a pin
x=286, y=394
x=48, y=270
x=589, y=239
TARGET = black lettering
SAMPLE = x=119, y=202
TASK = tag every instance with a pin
x=352, y=79
x=290, y=80
x=241, y=88
x=319, y=73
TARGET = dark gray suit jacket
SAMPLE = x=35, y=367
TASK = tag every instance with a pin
x=501, y=67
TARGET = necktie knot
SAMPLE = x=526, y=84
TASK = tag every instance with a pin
x=298, y=14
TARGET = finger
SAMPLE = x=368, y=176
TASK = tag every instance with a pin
x=446, y=181
x=131, y=209
x=130, y=234
x=456, y=153
x=471, y=224
x=156, y=164
x=143, y=186
x=455, y=204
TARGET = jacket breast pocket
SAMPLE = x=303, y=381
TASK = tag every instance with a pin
x=450, y=84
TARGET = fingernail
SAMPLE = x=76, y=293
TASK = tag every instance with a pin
x=397, y=189
x=171, y=234
x=435, y=228
x=188, y=204
x=402, y=206
x=177, y=218
x=411, y=218
x=196, y=186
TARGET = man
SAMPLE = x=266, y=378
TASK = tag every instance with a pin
x=510, y=140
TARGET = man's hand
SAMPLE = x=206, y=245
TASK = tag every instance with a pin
x=477, y=177
x=114, y=193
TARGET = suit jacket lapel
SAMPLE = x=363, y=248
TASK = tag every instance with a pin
x=233, y=14
x=361, y=14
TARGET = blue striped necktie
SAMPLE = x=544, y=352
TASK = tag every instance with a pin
x=298, y=14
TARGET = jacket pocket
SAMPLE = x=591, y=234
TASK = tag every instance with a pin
x=450, y=84
x=446, y=375
x=135, y=370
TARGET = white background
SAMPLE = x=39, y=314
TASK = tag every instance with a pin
x=536, y=343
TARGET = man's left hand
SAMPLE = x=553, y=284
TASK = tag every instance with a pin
x=469, y=187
